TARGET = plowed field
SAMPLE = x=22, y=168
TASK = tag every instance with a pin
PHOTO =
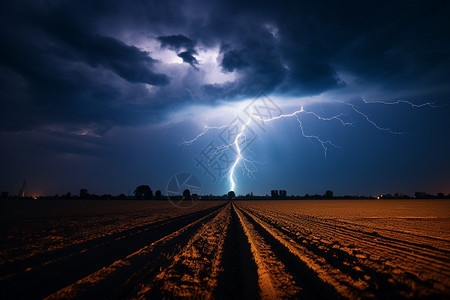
x=242, y=249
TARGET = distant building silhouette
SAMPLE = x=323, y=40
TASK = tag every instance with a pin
x=278, y=194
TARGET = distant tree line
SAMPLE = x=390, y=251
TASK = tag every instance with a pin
x=144, y=192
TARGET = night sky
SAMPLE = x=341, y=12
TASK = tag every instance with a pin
x=101, y=94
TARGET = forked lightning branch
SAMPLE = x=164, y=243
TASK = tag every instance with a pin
x=230, y=152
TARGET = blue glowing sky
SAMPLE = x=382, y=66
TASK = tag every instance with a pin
x=102, y=94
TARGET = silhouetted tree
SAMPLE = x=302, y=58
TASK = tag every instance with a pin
x=231, y=195
x=122, y=197
x=186, y=193
x=143, y=192
x=421, y=195
x=441, y=195
x=84, y=194
x=158, y=195
x=148, y=195
x=329, y=194
x=274, y=194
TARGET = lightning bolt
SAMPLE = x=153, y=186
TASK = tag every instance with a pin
x=300, y=111
x=205, y=130
x=369, y=120
x=239, y=156
x=430, y=104
x=248, y=164
x=389, y=130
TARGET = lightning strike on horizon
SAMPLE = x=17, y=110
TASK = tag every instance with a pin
x=241, y=134
x=238, y=155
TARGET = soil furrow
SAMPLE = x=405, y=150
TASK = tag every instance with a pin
x=125, y=274
x=239, y=276
x=273, y=278
x=50, y=277
x=377, y=243
x=313, y=285
x=311, y=264
x=193, y=271
x=361, y=230
x=391, y=272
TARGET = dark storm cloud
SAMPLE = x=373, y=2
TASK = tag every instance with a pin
x=180, y=42
x=72, y=40
x=67, y=62
x=56, y=69
x=176, y=42
x=188, y=57
x=126, y=61
x=395, y=45
x=233, y=60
